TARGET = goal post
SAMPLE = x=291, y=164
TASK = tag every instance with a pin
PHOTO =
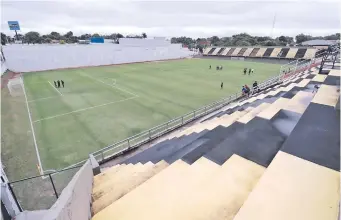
x=15, y=86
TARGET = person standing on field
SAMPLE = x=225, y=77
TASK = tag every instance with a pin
x=55, y=84
x=62, y=83
x=249, y=71
x=58, y=84
x=222, y=85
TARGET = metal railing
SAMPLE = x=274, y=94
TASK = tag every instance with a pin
x=42, y=191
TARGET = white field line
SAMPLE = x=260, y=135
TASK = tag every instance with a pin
x=32, y=129
x=50, y=97
x=55, y=88
x=113, y=86
x=84, y=109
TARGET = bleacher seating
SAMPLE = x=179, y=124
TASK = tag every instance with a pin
x=254, y=52
x=211, y=50
x=236, y=51
x=300, y=53
x=268, y=52
x=291, y=53
x=283, y=53
x=274, y=155
x=231, y=51
x=263, y=52
x=215, y=52
x=260, y=52
x=275, y=52
x=241, y=52
x=225, y=51
x=220, y=51
x=248, y=52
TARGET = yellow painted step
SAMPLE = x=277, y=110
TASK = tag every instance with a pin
x=250, y=115
x=102, y=176
x=148, y=195
x=129, y=170
x=335, y=73
x=299, y=102
x=122, y=188
x=274, y=108
x=222, y=194
x=319, y=78
x=327, y=95
x=293, y=188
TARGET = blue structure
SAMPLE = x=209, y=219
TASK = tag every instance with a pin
x=14, y=25
x=97, y=40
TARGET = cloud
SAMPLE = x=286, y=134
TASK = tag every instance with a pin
x=174, y=18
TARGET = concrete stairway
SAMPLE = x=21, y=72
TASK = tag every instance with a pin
x=274, y=155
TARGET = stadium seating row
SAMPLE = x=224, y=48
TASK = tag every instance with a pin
x=274, y=155
x=265, y=52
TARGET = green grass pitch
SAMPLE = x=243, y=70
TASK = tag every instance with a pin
x=102, y=105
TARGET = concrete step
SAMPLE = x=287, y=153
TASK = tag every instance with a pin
x=149, y=197
x=299, y=102
x=273, y=109
x=126, y=185
x=102, y=177
x=250, y=115
x=115, y=178
x=293, y=188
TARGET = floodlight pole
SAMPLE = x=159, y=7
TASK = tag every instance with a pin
x=16, y=35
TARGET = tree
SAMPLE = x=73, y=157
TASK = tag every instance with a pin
x=333, y=37
x=214, y=40
x=85, y=36
x=3, y=39
x=54, y=35
x=144, y=35
x=301, y=38
x=118, y=35
x=32, y=37
x=68, y=34
x=95, y=35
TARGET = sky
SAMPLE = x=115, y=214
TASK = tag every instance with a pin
x=174, y=18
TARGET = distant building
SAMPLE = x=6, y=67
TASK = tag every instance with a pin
x=315, y=43
x=204, y=43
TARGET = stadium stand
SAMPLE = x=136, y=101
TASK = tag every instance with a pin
x=283, y=53
x=268, y=52
x=260, y=158
x=248, y=52
x=292, y=53
x=211, y=51
x=310, y=53
x=275, y=52
x=272, y=155
x=300, y=53
x=224, y=53
x=254, y=52
x=231, y=52
x=206, y=50
x=236, y=51
x=241, y=52
x=216, y=51
x=260, y=52
x=220, y=51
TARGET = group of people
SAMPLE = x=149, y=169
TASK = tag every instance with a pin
x=246, y=90
x=58, y=83
x=250, y=71
x=217, y=67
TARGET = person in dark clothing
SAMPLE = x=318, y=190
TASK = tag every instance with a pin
x=58, y=84
x=55, y=84
x=247, y=90
x=62, y=83
x=221, y=85
x=217, y=68
x=255, y=86
x=210, y=67
x=245, y=71
x=221, y=67
x=249, y=71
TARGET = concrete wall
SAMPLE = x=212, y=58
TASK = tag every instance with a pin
x=30, y=58
x=137, y=42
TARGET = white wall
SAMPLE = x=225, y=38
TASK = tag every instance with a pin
x=137, y=42
x=29, y=58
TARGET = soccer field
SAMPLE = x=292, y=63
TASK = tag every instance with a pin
x=102, y=105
